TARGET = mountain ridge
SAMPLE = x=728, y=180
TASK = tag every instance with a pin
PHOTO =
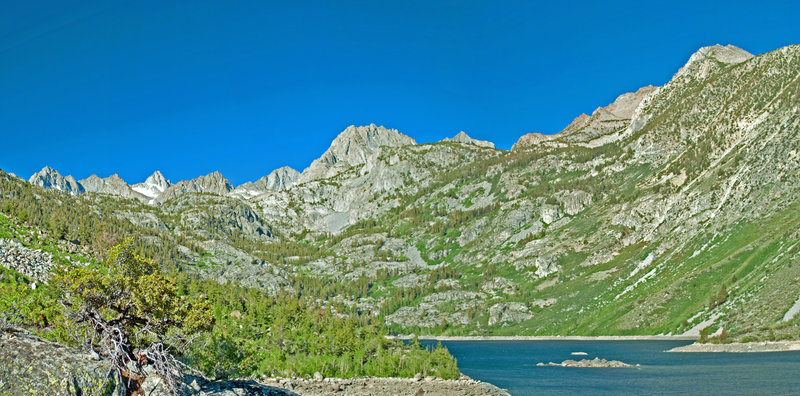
x=633, y=220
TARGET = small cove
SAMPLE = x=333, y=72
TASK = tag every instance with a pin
x=512, y=365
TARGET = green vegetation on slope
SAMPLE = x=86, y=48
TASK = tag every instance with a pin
x=250, y=334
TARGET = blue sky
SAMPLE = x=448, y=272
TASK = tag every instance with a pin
x=189, y=87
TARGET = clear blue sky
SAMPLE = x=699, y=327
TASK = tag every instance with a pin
x=243, y=87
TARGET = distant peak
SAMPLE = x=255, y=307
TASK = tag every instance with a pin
x=50, y=178
x=215, y=175
x=462, y=137
x=47, y=170
x=157, y=179
x=705, y=60
x=353, y=147
x=724, y=53
x=373, y=133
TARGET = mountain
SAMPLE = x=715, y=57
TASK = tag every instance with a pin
x=153, y=186
x=670, y=210
x=50, y=178
x=352, y=147
x=113, y=185
x=709, y=60
x=213, y=183
x=603, y=121
x=462, y=137
x=278, y=180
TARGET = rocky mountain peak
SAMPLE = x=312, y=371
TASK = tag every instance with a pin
x=462, y=137
x=158, y=180
x=608, y=119
x=153, y=186
x=353, y=147
x=113, y=184
x=213, y=183
x=279, y=179
x=50, y=178
x=709, y=59
x=624, y=106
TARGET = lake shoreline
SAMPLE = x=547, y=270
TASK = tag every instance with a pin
x=549, y=338
x=740, y=347
x=366, y=386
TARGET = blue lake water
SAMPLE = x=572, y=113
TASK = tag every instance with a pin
x=512, y=365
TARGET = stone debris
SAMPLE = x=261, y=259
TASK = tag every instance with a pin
x=35, y=264
x=419, y=385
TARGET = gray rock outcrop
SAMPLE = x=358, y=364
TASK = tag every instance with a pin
x=508, y=312
x=32, y=365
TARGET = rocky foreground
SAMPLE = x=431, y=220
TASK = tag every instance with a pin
x=32, y=365
x=741, y=347
x=387, y=386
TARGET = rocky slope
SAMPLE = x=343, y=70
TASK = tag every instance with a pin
x=671, y=208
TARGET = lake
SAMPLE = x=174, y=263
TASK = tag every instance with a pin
x=512, y=365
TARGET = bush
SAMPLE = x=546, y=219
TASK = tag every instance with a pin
x=131, y=313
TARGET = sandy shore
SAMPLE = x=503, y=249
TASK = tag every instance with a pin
x=554, y=338
x=742, y=347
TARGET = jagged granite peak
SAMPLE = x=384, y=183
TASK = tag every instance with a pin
x=462, y=137
x=279, y=179
x=50, y=178
x=212, y=183
x=353, y=147
x=153, y=186
x=113, y=185
x=707, y=60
